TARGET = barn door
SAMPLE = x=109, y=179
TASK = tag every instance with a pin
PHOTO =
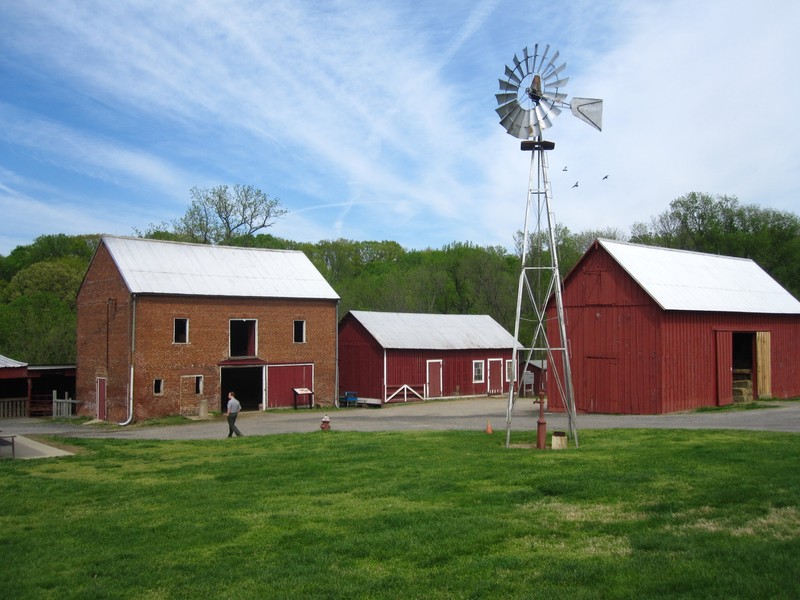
x=434, y=383
x=763, y=364
x=282, y=381
x=724, y=367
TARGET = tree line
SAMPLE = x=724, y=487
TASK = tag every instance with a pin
x=39, y=282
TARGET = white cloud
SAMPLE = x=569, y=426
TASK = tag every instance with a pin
x=383, y=112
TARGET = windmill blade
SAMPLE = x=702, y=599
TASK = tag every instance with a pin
x=588, y=110
x=513, y=122
x=505, y=109
x=507, y=86
x=518, y=68
x=552, y=109
x=505, y=98
x=549, y=69
x=544, y=57
x=557, y=84
x=512, y=76
x=554, y=98
x=555, y=71
x=542, y=117
x=527, y=59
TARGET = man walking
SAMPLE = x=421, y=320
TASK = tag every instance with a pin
x=233, y=411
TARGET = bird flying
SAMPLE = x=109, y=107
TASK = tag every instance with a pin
x=576, y=184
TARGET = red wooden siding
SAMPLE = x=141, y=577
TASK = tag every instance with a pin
x=363, y=369
x=630, y=356
x=360, y=361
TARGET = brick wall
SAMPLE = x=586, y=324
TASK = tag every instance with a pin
x=103, y=338
x=106, y=316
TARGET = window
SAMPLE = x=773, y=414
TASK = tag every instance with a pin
x=243, y=337
x=477, y=371
x=158, y=387
x=180, y=331
x=299, y=332
x=510, y=374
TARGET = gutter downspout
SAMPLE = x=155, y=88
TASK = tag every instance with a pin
x=133, y=350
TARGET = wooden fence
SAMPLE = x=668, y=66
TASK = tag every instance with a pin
x=39, y=406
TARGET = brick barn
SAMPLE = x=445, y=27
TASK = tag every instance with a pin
x=656, y=330
x=395, y=357
x=167, y=328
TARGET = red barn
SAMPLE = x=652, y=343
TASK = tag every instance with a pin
x=391, y=357
x=656, y=330
x=165, y=328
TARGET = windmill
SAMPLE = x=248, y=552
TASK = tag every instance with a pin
x=531, y=96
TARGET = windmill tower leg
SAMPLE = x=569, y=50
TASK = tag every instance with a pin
x=539, y=281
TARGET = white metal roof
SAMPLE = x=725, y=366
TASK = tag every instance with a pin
x=10, y=363
x=159, y=267
x=414, y=331
x=694, y=281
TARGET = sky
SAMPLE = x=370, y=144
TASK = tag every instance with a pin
x=376, y=120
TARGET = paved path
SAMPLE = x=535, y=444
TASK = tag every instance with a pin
x=471, y=414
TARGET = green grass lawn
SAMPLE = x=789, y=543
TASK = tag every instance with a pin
x=631, y=514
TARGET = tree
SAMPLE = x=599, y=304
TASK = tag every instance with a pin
x=221, y=215
x=48, y=247
x=60, y=278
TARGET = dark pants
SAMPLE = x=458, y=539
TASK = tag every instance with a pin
x=232, y=424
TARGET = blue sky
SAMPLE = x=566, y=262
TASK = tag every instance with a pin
x=375, y=120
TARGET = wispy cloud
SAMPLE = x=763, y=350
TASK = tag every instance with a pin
x=377, y=120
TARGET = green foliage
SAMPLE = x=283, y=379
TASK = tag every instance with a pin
x=38, y=328
x=632, y=514
x=46, y=248
x=381, y=275
x=38, y=290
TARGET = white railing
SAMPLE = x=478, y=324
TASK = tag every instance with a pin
x=13, y=408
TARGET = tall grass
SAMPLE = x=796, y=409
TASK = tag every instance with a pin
x=631, y=514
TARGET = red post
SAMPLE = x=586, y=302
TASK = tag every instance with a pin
x=541, y=425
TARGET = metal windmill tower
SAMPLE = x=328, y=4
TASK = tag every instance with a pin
x=531, y=95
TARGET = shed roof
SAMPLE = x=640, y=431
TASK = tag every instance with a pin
x=161, y=267
x=416, y=331
x=10, y=363
x=695, y=281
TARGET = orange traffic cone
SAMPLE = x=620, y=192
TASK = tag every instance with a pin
x=489, y=426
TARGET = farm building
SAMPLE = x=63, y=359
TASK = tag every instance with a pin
x=33, y=390
x=168, y=328
x=394, y=357
x=656, y=330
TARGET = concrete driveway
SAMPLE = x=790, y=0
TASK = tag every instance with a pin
x=468, y=414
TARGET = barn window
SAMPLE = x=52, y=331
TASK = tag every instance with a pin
x=299, y=332
x=198, y=384
x=510, y=373
x=180, y=331
x=158, y=387
x=477, y=371
x=243, y=337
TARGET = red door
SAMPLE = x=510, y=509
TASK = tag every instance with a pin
x=434, y=379
x=100, y=392
x=724, y=368
x=495, y=383
x=282, y=381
